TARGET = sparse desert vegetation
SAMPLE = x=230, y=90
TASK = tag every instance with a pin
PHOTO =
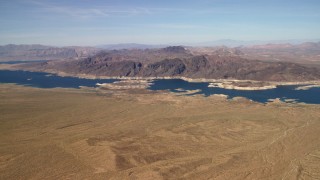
x=136, y=134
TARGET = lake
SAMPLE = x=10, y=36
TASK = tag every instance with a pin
x=20, y=62
x=46, y=80
x=311, y=96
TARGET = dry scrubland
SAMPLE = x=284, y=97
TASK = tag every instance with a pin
x=95, y=134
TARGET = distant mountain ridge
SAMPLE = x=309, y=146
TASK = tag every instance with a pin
x=129, y=46
x=238, y=43
x=304, y=53
x=222, y=42
x=40, y=52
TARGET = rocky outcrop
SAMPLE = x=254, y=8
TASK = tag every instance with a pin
x=167, y=67
x=124, y=68
x=197, y=66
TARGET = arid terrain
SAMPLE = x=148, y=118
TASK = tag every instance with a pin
x=136, y=134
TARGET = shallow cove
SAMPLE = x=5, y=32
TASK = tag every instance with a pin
x=46, y=80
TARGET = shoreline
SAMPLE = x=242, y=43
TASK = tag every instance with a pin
x=228, y=85
x=221, y=83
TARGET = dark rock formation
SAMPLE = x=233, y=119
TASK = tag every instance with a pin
x=167, y=67
x=178, y=62
x=174, y=49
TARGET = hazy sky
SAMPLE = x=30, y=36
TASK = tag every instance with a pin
x=93, y=22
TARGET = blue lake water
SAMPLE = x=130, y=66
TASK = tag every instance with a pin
x=20, y=62
x=311, y=96
x=45, y=80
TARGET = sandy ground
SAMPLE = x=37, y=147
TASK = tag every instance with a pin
x=94, y=134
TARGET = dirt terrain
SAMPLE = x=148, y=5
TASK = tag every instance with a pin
x=111, y=134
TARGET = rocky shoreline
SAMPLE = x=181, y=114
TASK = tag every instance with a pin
x=308, y=87
x=127, y=84
x=229, y=85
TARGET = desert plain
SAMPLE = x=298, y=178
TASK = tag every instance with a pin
x=138, y=134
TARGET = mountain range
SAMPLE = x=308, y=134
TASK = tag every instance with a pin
x=267, y=62
x=178, y=61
